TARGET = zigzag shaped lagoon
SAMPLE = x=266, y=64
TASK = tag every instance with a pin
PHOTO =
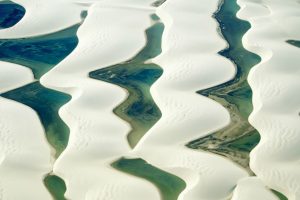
x=237, y=139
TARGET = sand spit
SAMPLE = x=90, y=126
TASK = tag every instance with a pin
x=98, y=137
x=275, y=82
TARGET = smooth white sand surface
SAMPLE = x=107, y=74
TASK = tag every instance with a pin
x=98, y=137
x=24, y=153
x=275, y=83
x=252, y=188
x=13, y=76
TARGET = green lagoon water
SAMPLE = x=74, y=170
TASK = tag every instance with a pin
x=134, y=75
x=170, y=186
x=10, y=14
x=279, y=195
x=239, y=138
x=40, y=53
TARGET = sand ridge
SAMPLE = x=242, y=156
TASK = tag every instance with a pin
x=274, y=82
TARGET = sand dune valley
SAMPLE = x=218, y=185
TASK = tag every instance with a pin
x=149, y=100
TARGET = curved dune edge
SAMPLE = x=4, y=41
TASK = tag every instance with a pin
x=274, y=82
x=189, y=57
x=98, y=137
x=25, y=154
x=17, y=79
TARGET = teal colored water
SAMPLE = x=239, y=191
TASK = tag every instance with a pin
x=295, y=43
x=239, y=138
x=39, y=53
x=10, y=14
x=170, y=186
x=139, y=109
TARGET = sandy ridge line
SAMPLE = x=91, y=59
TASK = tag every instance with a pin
x=25, y=153
x=27, y=159
x=273, y=82
x=187, y=61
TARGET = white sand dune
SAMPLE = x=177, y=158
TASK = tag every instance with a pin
x=25, y=154
x=98, y=137
x=190, y=63
x=275, y=83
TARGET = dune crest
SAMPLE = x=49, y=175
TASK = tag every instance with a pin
x=274, y=82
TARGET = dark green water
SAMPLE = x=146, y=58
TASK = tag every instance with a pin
x=170, y=186
x=10, y=14
x=295, y=43
x=139, y=109
x=239, y=138
x=279, y=195
x=56, y=186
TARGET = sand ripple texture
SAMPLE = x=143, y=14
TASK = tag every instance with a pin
x=275, y=83
x=114, y=31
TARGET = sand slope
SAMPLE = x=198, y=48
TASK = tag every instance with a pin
x=190, y=62
x=252, y=188
x=98, y=137
x=275, y=82
x=25, y=154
